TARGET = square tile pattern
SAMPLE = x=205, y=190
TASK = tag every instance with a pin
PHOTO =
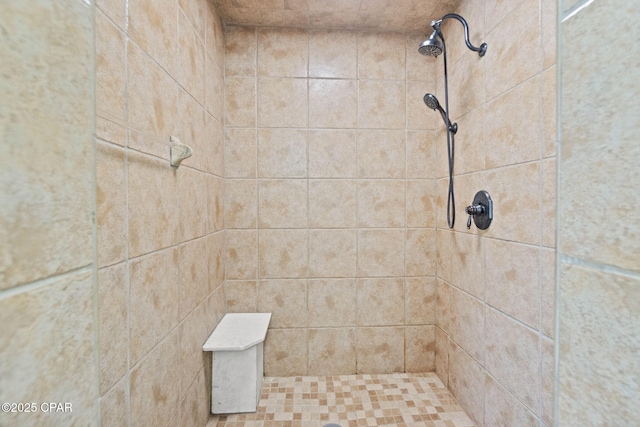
x=352, y=400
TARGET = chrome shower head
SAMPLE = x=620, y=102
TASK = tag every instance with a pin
x=432, y=102
x=432, y=46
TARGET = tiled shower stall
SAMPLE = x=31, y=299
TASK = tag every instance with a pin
x=317, y=191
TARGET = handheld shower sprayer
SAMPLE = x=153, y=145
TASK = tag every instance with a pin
x=434, y=46
x=432, y=102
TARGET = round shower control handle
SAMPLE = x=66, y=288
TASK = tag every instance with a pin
x=481, y=210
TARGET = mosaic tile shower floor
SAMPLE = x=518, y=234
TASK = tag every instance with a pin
x=411, y=400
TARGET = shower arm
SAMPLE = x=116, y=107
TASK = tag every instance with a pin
x=436, y=26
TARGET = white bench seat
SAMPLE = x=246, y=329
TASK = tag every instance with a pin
x=237, y=344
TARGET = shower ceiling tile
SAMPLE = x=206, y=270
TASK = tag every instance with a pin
x=386, y=15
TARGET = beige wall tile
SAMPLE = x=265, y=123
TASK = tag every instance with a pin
x=194, y=275
x=50, y=331
x=216, y=259
x=332, y=253
x=420, y=259
x=504, y=409
x=443, y=306
x=381, y=154
x=241, y=203
x=283, y=203
x=467, y=324
x=332, y=153
x=381, y=253
x=461, y=261
x=332, y=103
x=240, y=52
x=549, y=31
x=515, y=187
x=467, y=383
x=283, y=52
x=420, y=348
x=599, y=317
x=419, y=116
x=153, y=204
x=513, y=280
x=192, y=185
x=381, y=203
x=380, y=302
x=513, y=125
x=421, y=154
x=496, y=10
x=469, y=90
x=286, y=300
x=113, y=333
x=154, y=289
x=333, y=54
x=442, y=356
x=194, y=408
x=332, y=351
x=509, y=64
x=215, y=137
x=152, y=102
x=214, y=84
x=332, y=203
x=599, y=157
x=549, y=110
x=285, y=352
x=191, y=57
x=241, y=260
x=215, y=203
x=465, y=188
x=381, y=56
x=240, y=153
x=282, y=153
x=240, y=101
x=193, y=333
x=107, y=130
x=548, y=380
x=331, y=302
x=241, y=296
x=116, y=10
x=548, y=285
x=420, y=300
x=282, y=102
x=381, y=104
x=380, y=350
x=283, y=253
x=155, y=384
x=114, y=404
x=194, y=11
x=111, y=207
x=513, y=358
x=549, y=202
x=153, y=26
x=421, y=203
x=191, y=129
x=215, y=308
x=47, y=120
x=110, y=70
x=469, y=143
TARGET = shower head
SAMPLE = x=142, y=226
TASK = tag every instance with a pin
x=432, y=102
x=431, y=46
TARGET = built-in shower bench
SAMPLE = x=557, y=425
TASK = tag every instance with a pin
x=237, y=362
